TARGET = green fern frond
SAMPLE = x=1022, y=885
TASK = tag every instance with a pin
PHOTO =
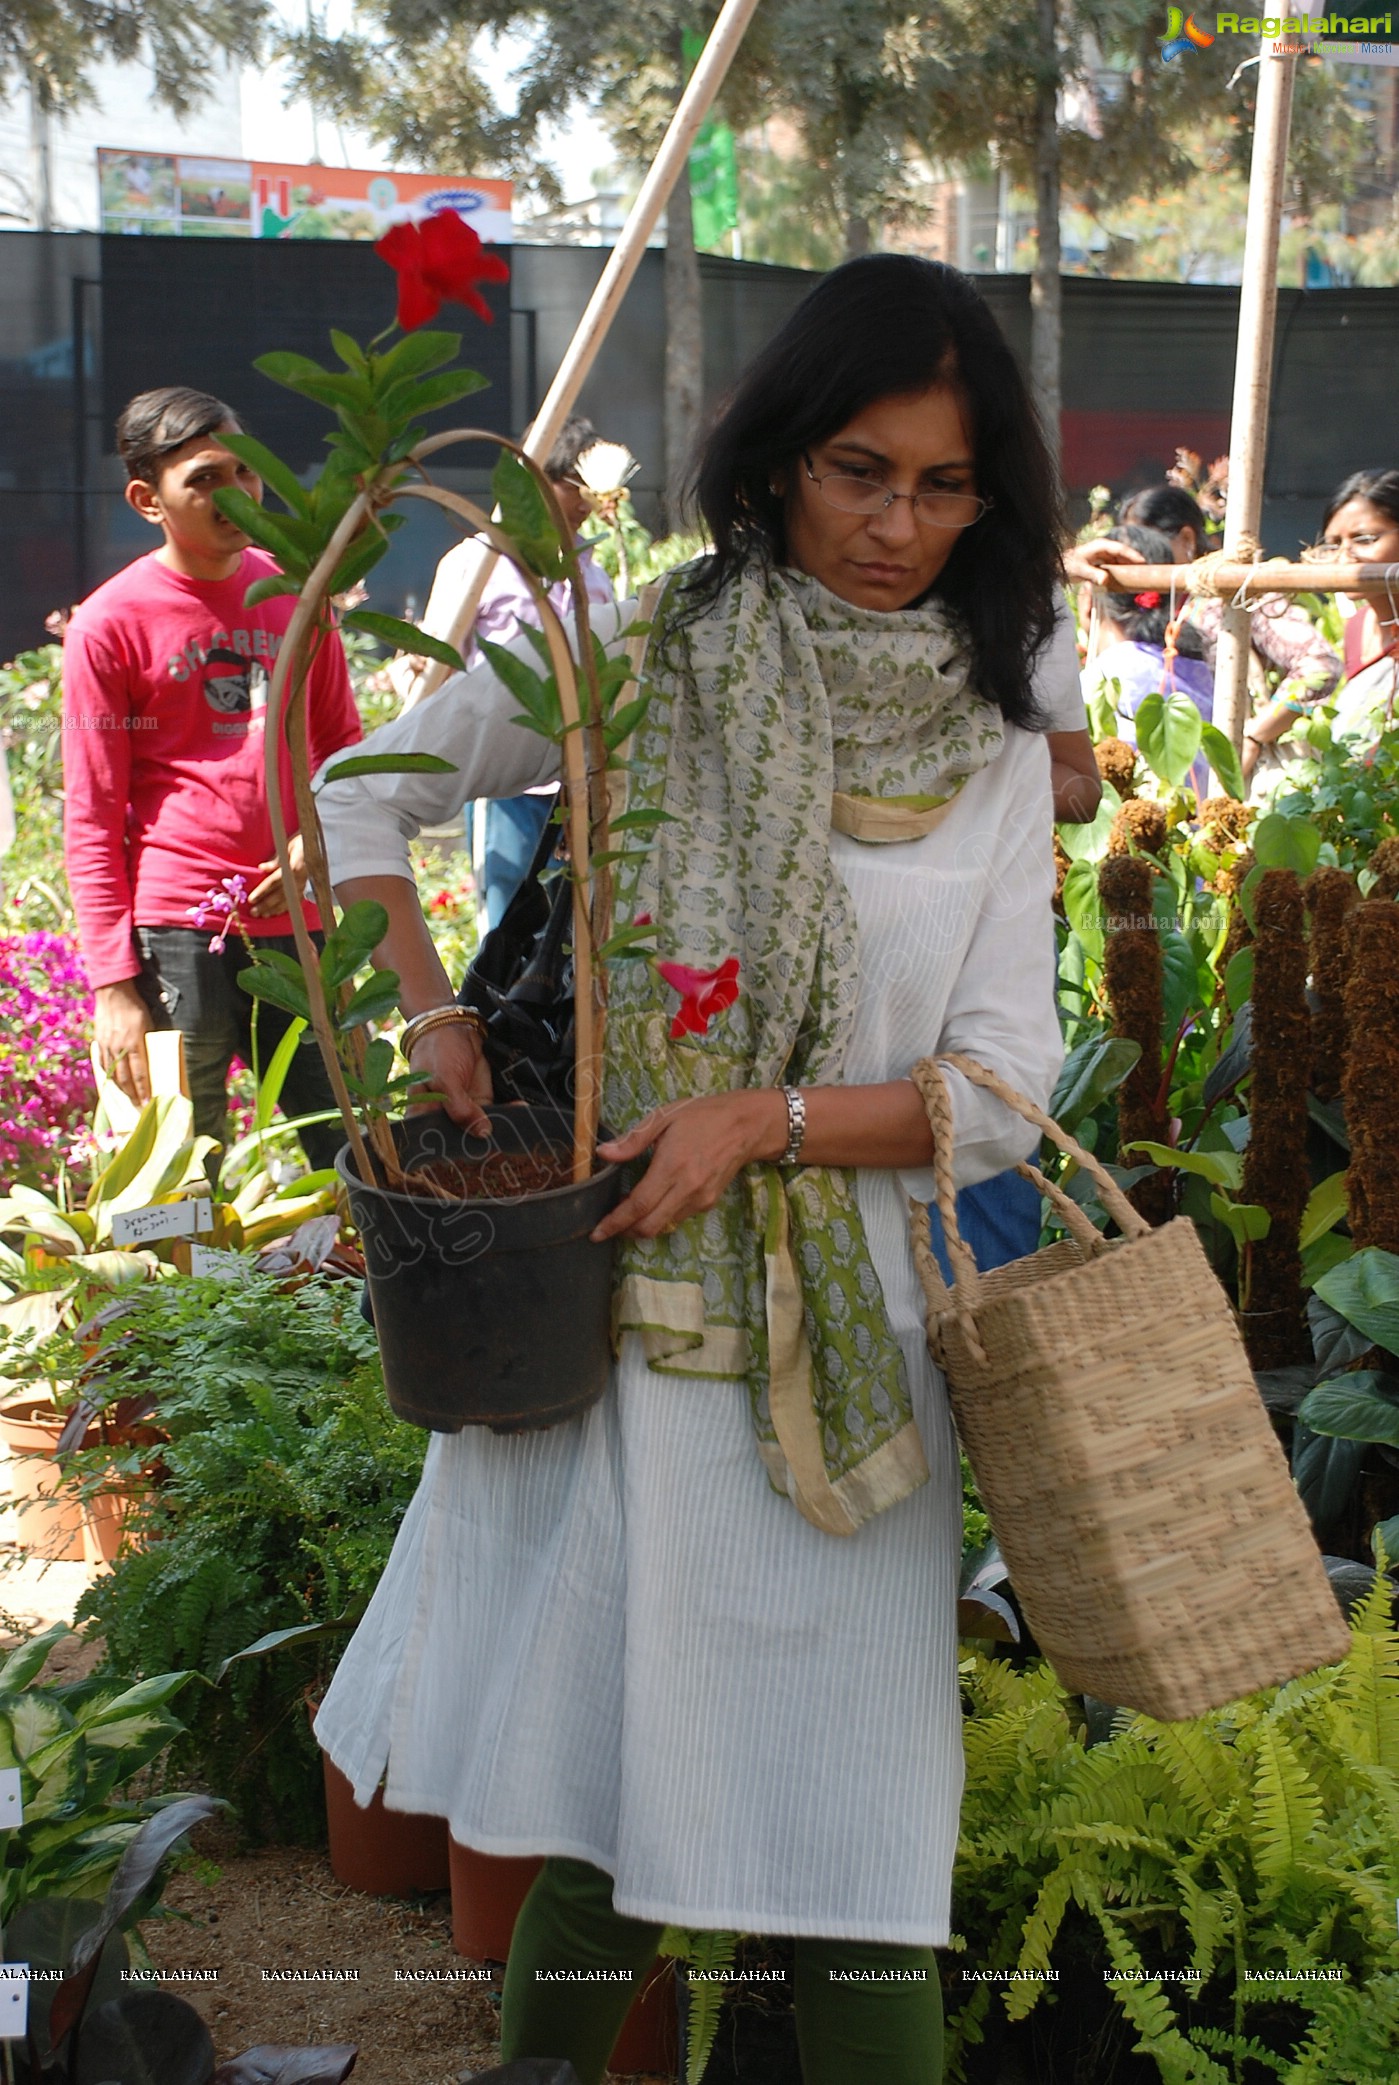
x=708, y=1966
x=1369, y=1690
x=1204, y=1772
x=1287, y=1809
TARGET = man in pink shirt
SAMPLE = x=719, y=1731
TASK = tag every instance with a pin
x=165, y=677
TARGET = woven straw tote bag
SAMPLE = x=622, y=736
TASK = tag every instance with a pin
x=1139, y=1495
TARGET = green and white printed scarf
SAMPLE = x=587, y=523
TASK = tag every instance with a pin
x=774, y=710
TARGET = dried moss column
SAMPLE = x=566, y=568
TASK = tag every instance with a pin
x=1370, y=1079
x=1132, y=975
x=1275, y=1159
x=1330, y=896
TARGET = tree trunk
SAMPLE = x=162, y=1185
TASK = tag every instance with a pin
x=684, y=348
x=1046, y=329
x=858, y=236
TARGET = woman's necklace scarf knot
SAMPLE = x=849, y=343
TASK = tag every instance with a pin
x=775, y=712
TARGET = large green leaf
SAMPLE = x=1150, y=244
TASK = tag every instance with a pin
x=27, y=1661
x=143, y=2038
x=1286, y=843
x=271, y=531
x=300, y=373
x=1361, y=1406
x=537, y=694
x=404, y=637
x=526, y=518
x=405, y=400
x=1324, y=1469
x=1326, y=1207
x=1088, y=842
x=1083, y=908
x=1365, y=1291
x=271, y=469
x=1246, y=1222
x=1179, y=982
x=262, y=982
x=1223, y=1168
x=412, y=355
x=1219, y=751
x=390, y=764
x=1169, y=730
x=375, y=1000
x=270, y=1086
x=1092, y=1070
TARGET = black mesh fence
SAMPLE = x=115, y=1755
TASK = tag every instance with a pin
x=87, y=321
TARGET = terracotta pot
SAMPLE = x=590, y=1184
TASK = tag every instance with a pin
x=49, y=1523
x=487, y=1892
x=104, y=1522
x=385, y=1853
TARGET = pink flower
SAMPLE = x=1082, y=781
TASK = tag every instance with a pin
x=703, y=994
x=220, y=908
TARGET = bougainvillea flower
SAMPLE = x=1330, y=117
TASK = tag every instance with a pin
x=703, y=994
x=439, y=261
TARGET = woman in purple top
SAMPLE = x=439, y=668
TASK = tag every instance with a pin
x=1130, y=662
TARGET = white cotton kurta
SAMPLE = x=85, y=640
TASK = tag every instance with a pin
x=613, y=1640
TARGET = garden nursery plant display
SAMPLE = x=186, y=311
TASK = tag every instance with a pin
x=482, y=1277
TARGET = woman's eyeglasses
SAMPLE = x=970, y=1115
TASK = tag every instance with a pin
x=868, y=496
x=1360, y=547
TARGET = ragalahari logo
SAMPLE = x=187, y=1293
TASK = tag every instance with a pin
x=1183, y=33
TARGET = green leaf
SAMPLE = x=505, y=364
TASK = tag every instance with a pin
x=390, y=764
x=410, y=397
x=300, y=373
x=624, y=721
x=1089, y=842
x=25, y=1663
x=1169, y=731
x=1326, y=1207
x=1318, y=1259
x=365, y=922
x=1238, y=979
x=1247, y=892
x=412, y=355
x=1362, y=1406
x=1179, y=981
x=537, y=694
x=1365, y=1292
x=267, y=589
x=1219, y=751
x=375, y=1000
x=404, y=637
x=272, y=471
x=1083, y=907
x=1285, y=843
x=1092, y=1070
x=299, y=1633
x=269, y=1091
x=1246, y=1222
x=378, y=1066
x=262, y=982
x=1224, y=1168
x=349, y=351
x=268, y=530
x=526, y=518
x=364, y=553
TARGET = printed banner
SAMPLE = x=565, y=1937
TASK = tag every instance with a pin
x=174, y=194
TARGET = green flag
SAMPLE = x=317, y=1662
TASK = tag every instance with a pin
x=713, y=183
x=713, y=166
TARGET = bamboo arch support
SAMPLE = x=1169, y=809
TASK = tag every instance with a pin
x=1272, y=576
x=585, y=762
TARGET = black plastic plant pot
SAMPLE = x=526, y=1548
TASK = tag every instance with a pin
x=492, y=1309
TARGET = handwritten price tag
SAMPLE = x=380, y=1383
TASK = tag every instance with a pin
x=11, y=1800
x=223, y=1266
x=14, y=2001
x=163, y=1220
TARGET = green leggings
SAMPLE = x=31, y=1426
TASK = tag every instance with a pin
x=850, y=2033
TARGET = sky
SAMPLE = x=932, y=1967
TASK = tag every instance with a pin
x=271, y=131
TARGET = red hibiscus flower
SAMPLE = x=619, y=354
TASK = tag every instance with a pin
x=703, y=994
x=439, y=261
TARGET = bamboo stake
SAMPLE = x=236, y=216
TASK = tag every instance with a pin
x=1253, y=367
x=1272, y=576
x=622, y=263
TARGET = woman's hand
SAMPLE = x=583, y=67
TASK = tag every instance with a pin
x=453, y=1064
x=697, y=1147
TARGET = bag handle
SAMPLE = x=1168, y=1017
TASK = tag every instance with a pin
x=927, y=1076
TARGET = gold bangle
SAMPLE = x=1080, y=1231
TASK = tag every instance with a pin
x=438, y=1017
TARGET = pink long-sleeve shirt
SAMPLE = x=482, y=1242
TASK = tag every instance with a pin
x=165, y=684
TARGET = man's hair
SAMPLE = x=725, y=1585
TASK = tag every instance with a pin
x=576, y=435
x=157, y=423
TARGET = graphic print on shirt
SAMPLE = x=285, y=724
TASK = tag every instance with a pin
x=234, y=685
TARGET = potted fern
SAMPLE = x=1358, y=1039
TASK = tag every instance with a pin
x=491, y=1304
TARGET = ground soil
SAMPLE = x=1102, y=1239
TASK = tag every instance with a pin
x=254, y=1916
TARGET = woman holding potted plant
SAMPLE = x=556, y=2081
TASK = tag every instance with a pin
x=633, y=1643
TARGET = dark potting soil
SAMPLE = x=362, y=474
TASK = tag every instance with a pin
x=501, y=1176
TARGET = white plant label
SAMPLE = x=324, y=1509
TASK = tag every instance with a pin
x=14, y=2001
x=163, y=1220
x=222, y=1266
x=11, y=1800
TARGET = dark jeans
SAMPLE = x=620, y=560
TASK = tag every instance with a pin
x=188, y=987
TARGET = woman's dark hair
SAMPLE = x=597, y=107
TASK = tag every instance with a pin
x=1168, y=508
x=157, y=423
x=1147, y=625
x=890, y=325
x=1380, y=488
